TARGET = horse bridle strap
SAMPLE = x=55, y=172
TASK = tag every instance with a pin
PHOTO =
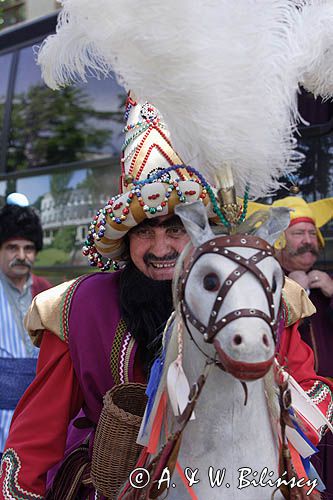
x=209, y=334
x=218, y=246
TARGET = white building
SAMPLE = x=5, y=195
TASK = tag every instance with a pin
x=75, y=208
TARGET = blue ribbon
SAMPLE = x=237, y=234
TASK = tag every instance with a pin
x=301, y=432
x=153, y=383
x=313, y=474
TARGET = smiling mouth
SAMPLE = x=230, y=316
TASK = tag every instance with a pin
x=162, y=265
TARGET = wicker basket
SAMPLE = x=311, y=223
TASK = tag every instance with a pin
x=115, y=450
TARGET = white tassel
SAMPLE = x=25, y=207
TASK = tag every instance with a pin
x=178, y=388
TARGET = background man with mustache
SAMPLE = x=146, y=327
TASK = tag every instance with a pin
x=298, y=256
x=20, y=240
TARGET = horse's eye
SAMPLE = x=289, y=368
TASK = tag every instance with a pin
x=273, y=287
x=211, y=282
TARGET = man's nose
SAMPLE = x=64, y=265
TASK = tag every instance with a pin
x=20, y=254
x=307, y=238
x=160, y=246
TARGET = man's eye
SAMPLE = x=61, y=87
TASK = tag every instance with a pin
x=143, y=233
x=176, y=231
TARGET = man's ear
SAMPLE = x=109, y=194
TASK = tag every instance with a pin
x=195, y=220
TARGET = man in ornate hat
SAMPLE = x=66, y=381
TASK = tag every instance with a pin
x=298, y=255
x=104, y=329
x=20, y=240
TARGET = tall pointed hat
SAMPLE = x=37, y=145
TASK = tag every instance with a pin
x=153, y=181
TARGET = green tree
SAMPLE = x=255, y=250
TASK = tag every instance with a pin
x=11, y=12
x=65, y=239
x=59, y=187
x=104, y=180
x=48, y=128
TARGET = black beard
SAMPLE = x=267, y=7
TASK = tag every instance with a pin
x=145, y=306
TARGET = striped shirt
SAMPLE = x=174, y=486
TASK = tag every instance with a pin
x=14, y=340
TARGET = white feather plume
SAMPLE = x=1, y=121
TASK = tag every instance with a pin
x=314, y=35
x=223, y=73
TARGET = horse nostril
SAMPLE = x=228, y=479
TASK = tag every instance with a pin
x=265, y=340
x=238, y=339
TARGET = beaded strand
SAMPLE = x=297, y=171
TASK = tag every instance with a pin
x=145, y=126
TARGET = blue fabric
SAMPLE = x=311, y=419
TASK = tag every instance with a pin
x=153, y=383
x=299, y=430
x=14, y=304
x=16, y=374
x=14, y=340
x=313, y=474
x=308, y=467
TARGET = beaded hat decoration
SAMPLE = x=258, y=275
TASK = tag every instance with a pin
x=153, y=180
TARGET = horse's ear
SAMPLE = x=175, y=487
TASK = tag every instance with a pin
x=195, y=220
x=275, y=224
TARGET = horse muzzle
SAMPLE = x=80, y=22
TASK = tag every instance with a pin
x=240, y=369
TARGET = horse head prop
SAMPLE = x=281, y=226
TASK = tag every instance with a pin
x=229, y=289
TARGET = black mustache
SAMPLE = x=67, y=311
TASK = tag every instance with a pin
x=150, y=257
x=307, y=247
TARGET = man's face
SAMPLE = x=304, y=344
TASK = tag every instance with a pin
x=155, y=245
x=302, y=248
x=17, y=257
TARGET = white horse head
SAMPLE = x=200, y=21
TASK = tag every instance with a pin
x=229, y=288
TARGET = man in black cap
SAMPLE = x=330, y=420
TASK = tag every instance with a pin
x=21, y=238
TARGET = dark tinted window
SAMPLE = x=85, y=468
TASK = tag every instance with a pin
x=5, y=64
x=54, y=127
x=316, y=174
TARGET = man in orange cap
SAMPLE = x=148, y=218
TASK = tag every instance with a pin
x=303, y=240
